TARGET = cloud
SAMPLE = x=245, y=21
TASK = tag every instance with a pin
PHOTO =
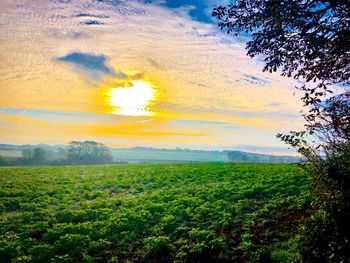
x=276, y=104
x=62, y=34
x=23, y=120
x=202, y=75
x=154, y=63
x=180, y=122
x=91, y=15
x=254, y=80
x=62, y=1
x=94, y=65
x=115, y=131
x=92, y=22
x=52, y=123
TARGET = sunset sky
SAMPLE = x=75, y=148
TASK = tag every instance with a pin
x=135, y=73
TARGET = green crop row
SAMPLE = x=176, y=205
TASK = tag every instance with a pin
x=151, y=213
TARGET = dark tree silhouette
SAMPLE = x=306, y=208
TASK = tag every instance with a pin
x=309, y=40
x=39, y=155
x=32, y=156
x=88, y=152
x=27, y=153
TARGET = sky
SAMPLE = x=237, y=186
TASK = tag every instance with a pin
x=136, y=73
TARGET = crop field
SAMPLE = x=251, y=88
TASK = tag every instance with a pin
x=204, y=212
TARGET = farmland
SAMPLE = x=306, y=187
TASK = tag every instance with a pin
x=203, y=212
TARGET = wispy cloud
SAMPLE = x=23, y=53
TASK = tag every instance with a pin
x=254, y=80
x=203, y=76
x=92, y=22
x=91, y=15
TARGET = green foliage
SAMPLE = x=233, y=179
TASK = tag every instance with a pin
x=150, y=213
x=305, y=39
x=89, y=152
x=33, y=156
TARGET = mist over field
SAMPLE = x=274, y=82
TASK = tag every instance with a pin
x=59, y=155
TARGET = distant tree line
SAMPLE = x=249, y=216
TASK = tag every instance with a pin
x=87, y=152
x=245, y=157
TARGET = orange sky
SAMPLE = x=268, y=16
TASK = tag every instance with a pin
x=133, y=74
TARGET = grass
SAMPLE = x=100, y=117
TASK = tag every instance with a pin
x=152, y=213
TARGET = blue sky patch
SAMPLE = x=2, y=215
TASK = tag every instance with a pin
x=199, y=13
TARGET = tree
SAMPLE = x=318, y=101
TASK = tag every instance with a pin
x=309, y=40
x=236, y=156
x=88, y=152
x=27, y=153
x=35, y=155
x=38, y=155
x=3, y=161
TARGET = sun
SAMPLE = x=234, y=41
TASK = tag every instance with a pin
x=133, y=101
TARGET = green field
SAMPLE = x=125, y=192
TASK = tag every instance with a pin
x=152, y=213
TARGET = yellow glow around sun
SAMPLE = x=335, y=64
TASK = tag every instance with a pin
x=132, y=101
